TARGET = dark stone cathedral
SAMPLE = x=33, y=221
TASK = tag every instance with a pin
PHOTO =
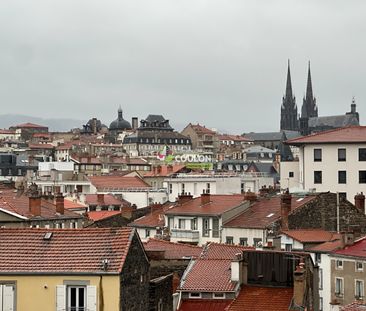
x=309, y=121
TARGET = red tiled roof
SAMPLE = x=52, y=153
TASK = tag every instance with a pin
x=14, y=203
x=212, y=275
x=70, y=204
x=7, y=132
x=328, y=246
x=108, y=199
x=312, y=235
x=99, y=215
x=173, y=250
x=218, y=204
x=204, y=305
x=202, y=129
x=67, y=251
x=255, y=298
x=165, y=171
x=86, y=160
x=222, y=251
x=355, y=250
x=41, y=146
x=48, y=135
x=351, y=134
x=30, y=125
x=355, y=306
x=264, y=212
x=154, y=219
x=117, y=182
x=234, y=138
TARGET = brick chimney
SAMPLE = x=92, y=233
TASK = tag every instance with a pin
x=100, y=198
x=239, y=270
x=60, y=203
x=285, y=209
x=299, y=284
x=360, y=201
x=205, y=198
x=250, y=196
x=35, y=204
x=184, y=197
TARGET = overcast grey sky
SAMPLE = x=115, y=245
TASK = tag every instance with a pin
x=219, y=62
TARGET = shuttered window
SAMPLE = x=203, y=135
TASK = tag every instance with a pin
x=76, y=298
x=7, y=297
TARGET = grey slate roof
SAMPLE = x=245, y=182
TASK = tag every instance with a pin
x=273, y=136
x=333, y=121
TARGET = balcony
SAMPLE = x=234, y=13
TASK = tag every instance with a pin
x=185, y=235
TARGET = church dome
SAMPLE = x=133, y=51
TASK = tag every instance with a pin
x=120, y=123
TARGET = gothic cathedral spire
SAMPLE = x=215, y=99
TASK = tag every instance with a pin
x=309, y=108
x=289, y=120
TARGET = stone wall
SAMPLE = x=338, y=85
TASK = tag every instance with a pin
x=161, y=294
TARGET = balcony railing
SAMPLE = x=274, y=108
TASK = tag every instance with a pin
x=185, y=235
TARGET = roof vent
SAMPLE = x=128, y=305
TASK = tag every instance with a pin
x=47, y=236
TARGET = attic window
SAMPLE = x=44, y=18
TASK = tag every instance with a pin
x=47, y=236
x=270, y=215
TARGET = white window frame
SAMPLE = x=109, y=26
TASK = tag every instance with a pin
x=195, y=295
x=8, y=290
x=341, y=292
x=362, y=289
x=68, y=296
x=219, y=296
x=339, y=264
x=356, y=267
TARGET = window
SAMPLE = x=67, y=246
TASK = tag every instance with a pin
x=218, y=296
x=7, y=296
x=321, y=304
x=257, y=242
x=317, y=155
x=242, y=188
x=215, y=228
x=361, y=154
x=362, y=177
x=342, y=177
x=318, y=257
x=170, y=222
x=229, y=240
x=76, y=297
x=183, y=188
x=317, y=177
x=147, y=233
x=181, y=223
x=359, y=289
x=243, y=241
x=170, y=188
x=339, y=286
x=359, y=266
x=194, y=295
x=73, y=225
x=320, y=278
x=206, y=227
x=288, y=247
x=291, y=174
x=341, y=154
x=208, y=187
x=194, y=224
x=339, y=264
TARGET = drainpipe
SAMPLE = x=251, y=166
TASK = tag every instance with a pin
x=337, y=212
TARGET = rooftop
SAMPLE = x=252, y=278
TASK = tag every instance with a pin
x=164, y=170
x=204, y=305
x=153, y=219
x=255, y=298
x=264, y=212
x=29, y=125
x=66, y=251
x=312, y=235
x=358, y=249
x=99, y=215
x=351, y=134
x=117, y=182
x=105, y=199
x=218, y=204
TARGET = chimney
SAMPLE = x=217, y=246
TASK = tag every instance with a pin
x=100, y=198
x=35, y=204
x=250, y=196
x=360, y=201
x=170, y=168
x=239, y=270
x=299, y=284
x=285, y=209
x=205, y=198
x=135, y=123
x=348, y=238
x=60, y=203
x=184, y=197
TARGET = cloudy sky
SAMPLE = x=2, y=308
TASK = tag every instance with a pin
x=219, y=62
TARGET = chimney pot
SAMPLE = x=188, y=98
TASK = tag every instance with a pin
x=205, y=198
x=60, y=203
x=360, y=201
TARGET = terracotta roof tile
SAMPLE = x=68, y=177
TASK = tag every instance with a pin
x=99, y=215
x=218, y=204
x=351, y=134
x=202, y=129
x=30, y=125
x=117, y=182
x=70, y=204
x=355, y=306
x=67, y=251
x=358, y=249
x=153, y=219
x=222, y=251
x=41, y=146
x=172, y=250
x=254, y=298
x=204, y=305
x=108, y=199
x=327, y=247
x=312, y=235
x=264, y=212
x=165, y=171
